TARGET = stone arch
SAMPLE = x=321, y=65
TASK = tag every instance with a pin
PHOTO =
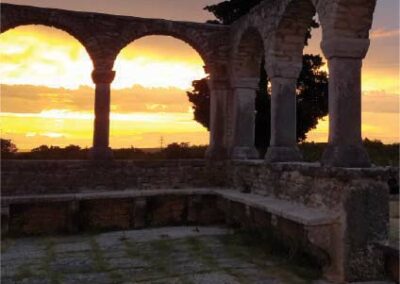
x=12, y=19
x=248, y=54
x=350, y=18
x=287, y=40
x=192, y=38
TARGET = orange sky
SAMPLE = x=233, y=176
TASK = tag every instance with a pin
x=47, y=94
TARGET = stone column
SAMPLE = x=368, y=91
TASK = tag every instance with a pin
x=219, y=90
x=283, y=145
x=244, y=95
x=345, y=148
x=101, y=149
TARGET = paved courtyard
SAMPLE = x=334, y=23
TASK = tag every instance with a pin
x=167, y=255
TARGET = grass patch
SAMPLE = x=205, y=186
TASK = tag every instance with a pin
x=163, y=249
x=100, y=263
x=96, y=254
x=6, y=244
x=24, y=271
x=286, y=262
x=201, y=251
x=50, y=255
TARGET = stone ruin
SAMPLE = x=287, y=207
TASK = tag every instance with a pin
x=275, y=30
x=337, y=212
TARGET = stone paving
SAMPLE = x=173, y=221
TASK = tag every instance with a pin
x=167, y=255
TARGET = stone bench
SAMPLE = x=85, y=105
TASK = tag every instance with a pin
x=309, y=229
x=296, y=213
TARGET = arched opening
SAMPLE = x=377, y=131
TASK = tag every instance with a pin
x=150, y=106
x=312, y=96
x=46, y=88
x=250, y=97
x=345, y=48
x=249, y=54
x=299, y=84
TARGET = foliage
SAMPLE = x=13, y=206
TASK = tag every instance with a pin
x=200, y=98
x=312, y=98
x=229, y=11
x=7, y=147
x=184, y=151
x=380, y=154
x=72, y=152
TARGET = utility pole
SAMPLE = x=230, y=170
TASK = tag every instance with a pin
x=162, y=142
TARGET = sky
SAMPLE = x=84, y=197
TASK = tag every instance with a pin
x=47, y=94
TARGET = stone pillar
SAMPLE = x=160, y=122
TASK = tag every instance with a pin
x=101, y=149
x=219, y=90
x=244, y=95
x=345, y=148
x=283, y=145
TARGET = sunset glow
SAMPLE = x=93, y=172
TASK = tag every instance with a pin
x=48, y=97
x=149, y=91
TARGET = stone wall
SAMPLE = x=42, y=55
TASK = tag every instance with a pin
x=73, y=216
x=39, y=177
x=359, y=196
x=307, y=183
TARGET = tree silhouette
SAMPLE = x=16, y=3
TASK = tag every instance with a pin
x=312, y=85
x=7, y=148
x=200, y=98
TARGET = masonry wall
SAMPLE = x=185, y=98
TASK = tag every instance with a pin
x=360, y=197
x=307, y=183
x=39, y=177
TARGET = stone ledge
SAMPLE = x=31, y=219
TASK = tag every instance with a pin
x=282, y=208
x=46, y=198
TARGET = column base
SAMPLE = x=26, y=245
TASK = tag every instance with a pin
x=346, y=156
x=216, y=153
x=283, y=154
x=244, y=153
x=97, y=153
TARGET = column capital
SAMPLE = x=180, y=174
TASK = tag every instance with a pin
x=218, y=84
x=103, y=76
x=246, y=83
x=343, y=47
x=283, y=69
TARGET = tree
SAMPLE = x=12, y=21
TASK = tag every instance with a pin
x=200, y=98
x=7, y=148
x=312, y=85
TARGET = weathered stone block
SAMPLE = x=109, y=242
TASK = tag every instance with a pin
x=107, y=214
x=32, y=219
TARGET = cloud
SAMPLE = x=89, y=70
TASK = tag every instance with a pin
x=380, y=102
x=35, y=99
x=384, y=33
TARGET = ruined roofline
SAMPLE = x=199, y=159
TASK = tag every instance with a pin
x=114, y=16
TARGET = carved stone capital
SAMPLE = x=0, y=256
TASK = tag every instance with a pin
x=345, y=47
x=283, y=69
x=246, y=83
x=103, y=76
